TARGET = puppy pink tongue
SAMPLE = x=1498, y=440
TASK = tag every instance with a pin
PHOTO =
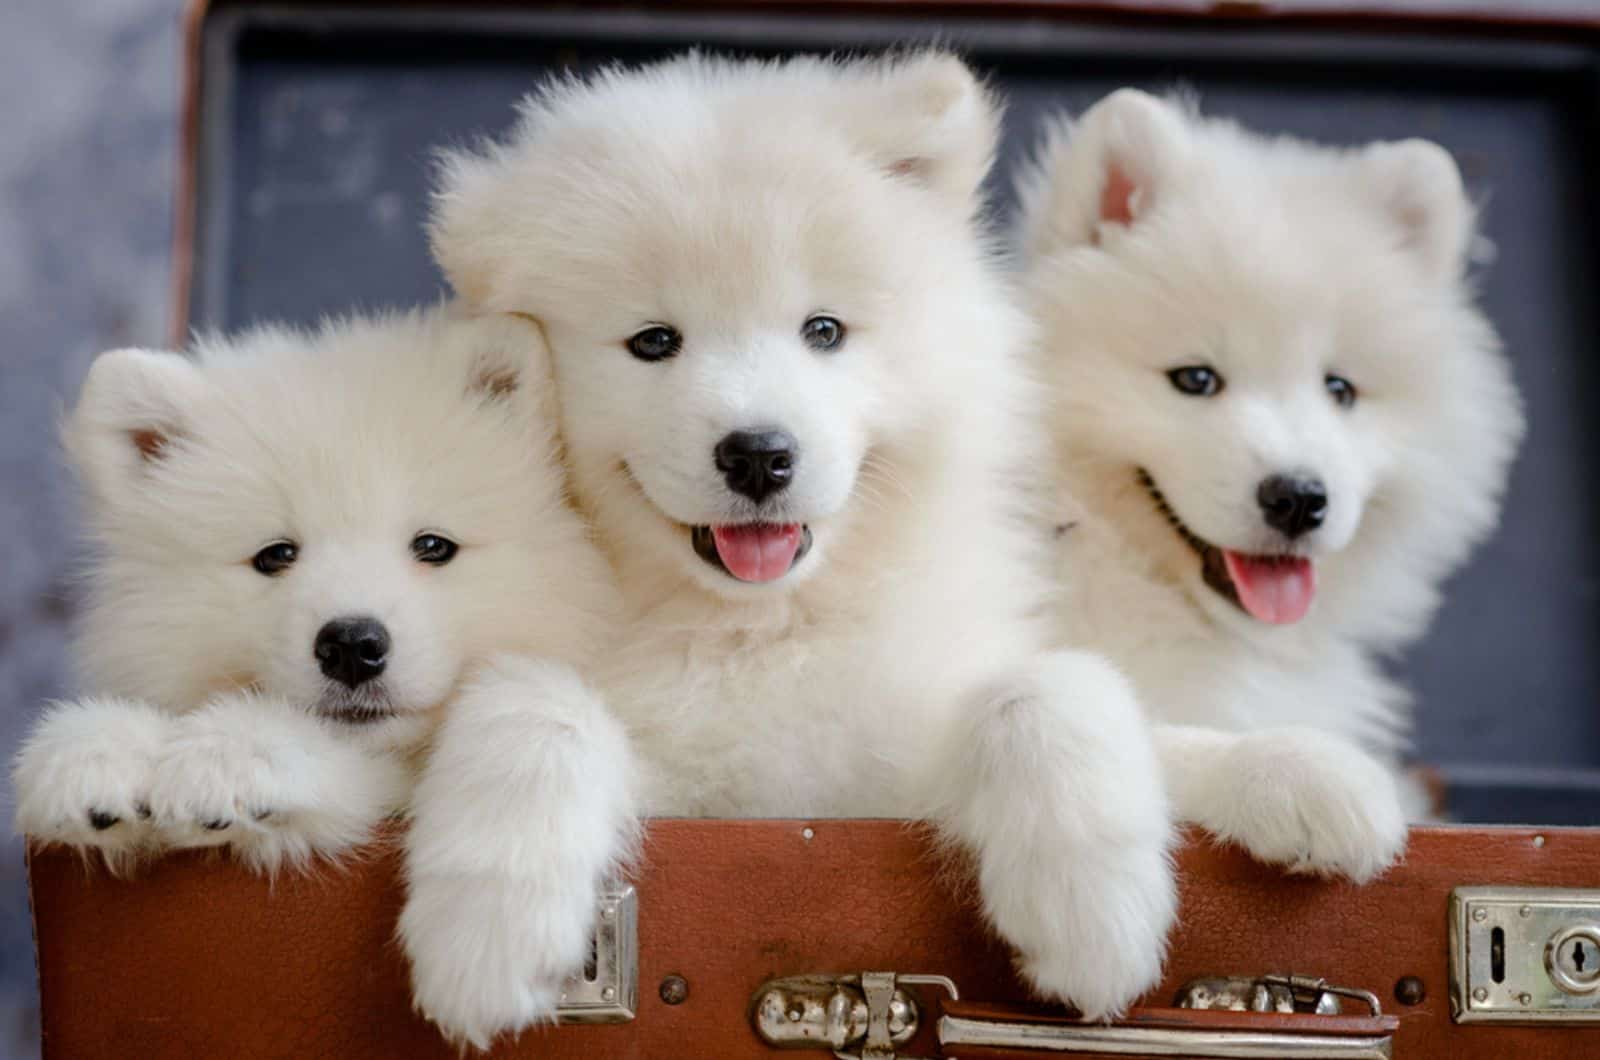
x=757, y=552
x=1276, y=589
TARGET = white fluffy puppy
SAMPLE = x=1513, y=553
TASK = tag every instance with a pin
x=1281, y=422
x=793, y=404
x=304, y=545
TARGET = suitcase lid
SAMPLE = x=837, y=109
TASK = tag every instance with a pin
x=310, y=131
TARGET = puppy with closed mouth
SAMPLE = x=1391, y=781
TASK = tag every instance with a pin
x=306, y=547
x=1280, y=422
x=793, y=404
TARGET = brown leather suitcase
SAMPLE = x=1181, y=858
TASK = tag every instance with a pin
x=832, y=930
x=749, y=924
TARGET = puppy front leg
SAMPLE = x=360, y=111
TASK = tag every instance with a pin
x=524, y=808
x=1056, y=789
x=274, y=784
x=1302, y=798
x=84, y=774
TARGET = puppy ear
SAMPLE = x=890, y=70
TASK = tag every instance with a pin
x=1418, y=187
x=506, y=359
x=134, y=407
x=927, y=119
x=466, y=229
x=1108, y=169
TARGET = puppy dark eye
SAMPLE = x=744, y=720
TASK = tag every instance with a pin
x=276, y=557
x=1197, y=380
x=434, y=549
x=655, y=343
x=1343, y=391
x=822, y=332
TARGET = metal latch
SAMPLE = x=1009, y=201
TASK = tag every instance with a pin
x=1272, y=993
x=1524, y=955
x=607, y=990
x=867, y=1016
x=861, y=1016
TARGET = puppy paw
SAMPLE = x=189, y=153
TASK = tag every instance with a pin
x=1093, y=930
x=271, y=783
x=523, y=808
x=1057, y=789
x=84, y=776
x=489, y=953
x=1309, y=801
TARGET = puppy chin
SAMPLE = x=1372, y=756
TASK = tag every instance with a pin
x=400, y=731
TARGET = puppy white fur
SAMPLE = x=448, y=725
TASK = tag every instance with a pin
x=1321, y=295
x=843, y=617
x=245, y=500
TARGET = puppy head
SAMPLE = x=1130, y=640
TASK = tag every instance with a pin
x=1268, y=348
x=746, y=272
x=347, y=519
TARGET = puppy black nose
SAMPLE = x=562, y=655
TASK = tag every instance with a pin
x=757, y=463
x=1292, y=504
x=352, y=650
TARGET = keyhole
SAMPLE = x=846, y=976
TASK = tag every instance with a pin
x=1578, y=956
x=1497, y=955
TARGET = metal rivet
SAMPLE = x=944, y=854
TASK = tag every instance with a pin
x=1524, y=998
x=1409, y=990
x=1538, y=840
x=605, y=914
x=609, y=994
x=674, y=990
x=808, y=833
x=1480, y=914
x=1480, y=994
x=1526, y=910
x=794, y=1015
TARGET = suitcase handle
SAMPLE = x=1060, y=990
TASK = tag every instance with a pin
x=871, y=1016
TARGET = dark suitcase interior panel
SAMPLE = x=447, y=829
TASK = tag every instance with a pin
x=318, y=126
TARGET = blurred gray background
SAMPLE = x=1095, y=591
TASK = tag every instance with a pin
x=87, y=160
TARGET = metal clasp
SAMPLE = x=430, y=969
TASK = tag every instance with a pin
x=607, y=990
x=861, y=1016
x=1272, y=993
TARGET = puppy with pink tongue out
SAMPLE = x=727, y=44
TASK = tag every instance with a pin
x=1279, y=422
x=795, y=408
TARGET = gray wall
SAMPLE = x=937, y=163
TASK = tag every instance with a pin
x=88, y=142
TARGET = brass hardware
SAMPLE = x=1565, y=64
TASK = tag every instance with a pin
x=1410, y=990
x=674, y=990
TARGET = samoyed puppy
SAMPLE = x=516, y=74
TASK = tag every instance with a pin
x=306, y=545
x=793, y=403
x=1280, y=422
